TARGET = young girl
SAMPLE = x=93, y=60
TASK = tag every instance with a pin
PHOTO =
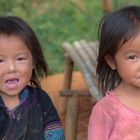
x=117, y=115
x=26, y=111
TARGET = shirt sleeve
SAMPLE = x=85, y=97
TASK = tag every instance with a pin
x=54, y=134
x=100, y=124
x=53, y=129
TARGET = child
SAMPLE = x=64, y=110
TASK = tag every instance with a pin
x=117, y=115
x=26, y=111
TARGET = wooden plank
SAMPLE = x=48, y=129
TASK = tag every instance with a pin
x=67, y=84
x=71, y=92
x=72, y=118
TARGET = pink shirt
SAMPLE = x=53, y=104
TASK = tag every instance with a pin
x=112, y=120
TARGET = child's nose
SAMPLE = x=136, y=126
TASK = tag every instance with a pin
x=11, y=66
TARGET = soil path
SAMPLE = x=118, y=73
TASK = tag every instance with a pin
x=54, y=84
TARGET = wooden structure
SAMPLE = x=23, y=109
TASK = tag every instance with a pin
x=84, y=55
x=107, y=6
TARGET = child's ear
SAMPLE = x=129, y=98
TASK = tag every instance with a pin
x=110, y=61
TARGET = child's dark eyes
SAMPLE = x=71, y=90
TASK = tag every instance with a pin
x=1, y=60
x=132, y=57
x=21, y=58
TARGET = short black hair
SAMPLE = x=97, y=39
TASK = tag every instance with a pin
x=12, y=25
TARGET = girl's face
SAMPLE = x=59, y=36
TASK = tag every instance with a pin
x=127, y=63
x=16, y=66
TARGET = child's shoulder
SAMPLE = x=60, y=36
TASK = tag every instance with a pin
x=107, y=103
x=107, y=99
x=38, y=93
x=36, y=90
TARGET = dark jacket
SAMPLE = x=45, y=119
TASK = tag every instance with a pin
x=30, y=118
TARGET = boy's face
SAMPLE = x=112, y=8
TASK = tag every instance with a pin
x=16, y=66
x=127, y=63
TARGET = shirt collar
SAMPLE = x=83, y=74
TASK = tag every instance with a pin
x=23, y=95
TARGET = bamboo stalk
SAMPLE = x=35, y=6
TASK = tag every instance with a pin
x=66, y=84
x=72, y=118
x=107, y=6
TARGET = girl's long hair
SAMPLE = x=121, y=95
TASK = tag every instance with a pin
x=115, y=30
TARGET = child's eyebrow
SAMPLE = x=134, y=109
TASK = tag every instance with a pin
x=2, y=55
x=17, y=54
x=132, y=51
x=23, y=53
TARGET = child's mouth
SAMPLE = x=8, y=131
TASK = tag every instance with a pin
x=11, y=83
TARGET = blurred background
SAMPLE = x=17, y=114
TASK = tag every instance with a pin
x=56, y=21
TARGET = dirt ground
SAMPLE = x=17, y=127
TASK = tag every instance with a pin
x=54, y=84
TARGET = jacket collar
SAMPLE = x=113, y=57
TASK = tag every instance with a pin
x=23, y=95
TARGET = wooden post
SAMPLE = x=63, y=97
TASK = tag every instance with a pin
x=72, y=117
x=107, y=6
x=66, y=85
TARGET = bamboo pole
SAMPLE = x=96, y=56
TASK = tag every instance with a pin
x=72, y=117
x=107, y=6
x=66, y=84
x=93, y=88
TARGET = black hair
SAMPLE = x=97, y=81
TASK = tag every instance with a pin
x=115, y=29
x=11, y=25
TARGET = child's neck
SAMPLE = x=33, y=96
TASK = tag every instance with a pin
x=11, y=102
x=128, y=96
x=128, y=90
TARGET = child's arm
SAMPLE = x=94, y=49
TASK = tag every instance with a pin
x=54, y=134
x=52, y=125
x=100, y=124
x=53, y=129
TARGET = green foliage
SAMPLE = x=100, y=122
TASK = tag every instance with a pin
x=56, y=21
x=121, y=3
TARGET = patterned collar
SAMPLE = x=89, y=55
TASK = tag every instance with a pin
x=23, y=96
